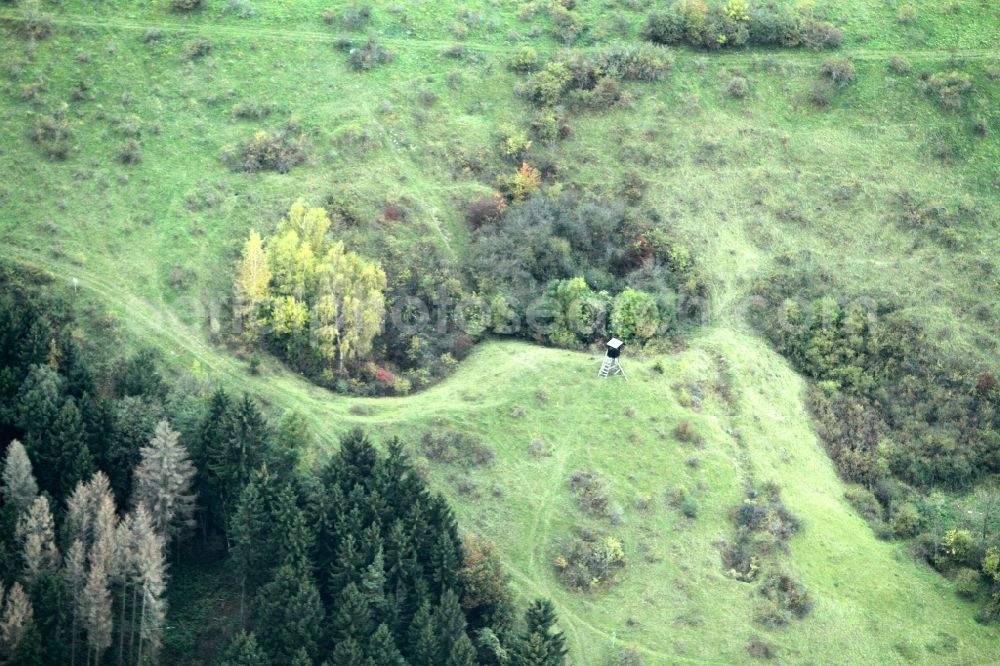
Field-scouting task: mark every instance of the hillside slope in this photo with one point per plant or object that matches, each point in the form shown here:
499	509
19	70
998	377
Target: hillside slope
745	183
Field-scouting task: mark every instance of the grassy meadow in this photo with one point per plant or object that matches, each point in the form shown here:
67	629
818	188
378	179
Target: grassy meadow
745	182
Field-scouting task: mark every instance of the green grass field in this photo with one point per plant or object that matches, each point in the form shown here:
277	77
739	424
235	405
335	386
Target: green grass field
744	182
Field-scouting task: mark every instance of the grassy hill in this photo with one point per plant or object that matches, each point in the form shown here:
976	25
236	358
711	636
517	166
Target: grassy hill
744	180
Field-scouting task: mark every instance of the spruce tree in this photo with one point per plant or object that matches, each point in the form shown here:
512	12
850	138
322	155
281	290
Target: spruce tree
422	641
36	532
15	618
289	615
461	653
382	648
244	650
38	401
163	483
96	610
533	650
76	579
540	619
347	653
19	486
51	603
351	617
151	563
66	460
232	457
346	567
450	624
372	585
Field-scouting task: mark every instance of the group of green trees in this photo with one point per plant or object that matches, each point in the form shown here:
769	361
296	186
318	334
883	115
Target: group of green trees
353	562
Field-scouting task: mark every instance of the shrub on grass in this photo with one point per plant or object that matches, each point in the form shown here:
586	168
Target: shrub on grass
524	59
947	88
52	134
665	26
634	62
590	562
451	446
369	56
899	65
357	16
905	520
686	432
759	648
818	35
840	71
152	35
35	25
129	153
197	48
967	582
785	600
185	5
822	92
738	87
267	151
591	492
252	110
865	503
484	210
242	8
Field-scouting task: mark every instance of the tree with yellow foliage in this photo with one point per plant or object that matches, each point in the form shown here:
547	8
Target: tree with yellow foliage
253	278
310	283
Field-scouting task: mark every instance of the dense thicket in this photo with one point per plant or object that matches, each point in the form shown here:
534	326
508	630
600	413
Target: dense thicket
889	401
899	416
558	269
737	23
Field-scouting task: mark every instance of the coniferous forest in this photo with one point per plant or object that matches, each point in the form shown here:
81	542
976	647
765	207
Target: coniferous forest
354	562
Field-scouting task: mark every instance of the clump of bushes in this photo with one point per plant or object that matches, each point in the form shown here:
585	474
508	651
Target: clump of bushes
682	500
198	48
369	56
34	24
485	209
268	151
785	600
525	59
686	432
947	88
763	527
357	16
591	492
591	80
451	446
185	5
52	134
738	23
548	263
129	153
738	87
941	220
840	71
887	401
590	562
252	110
